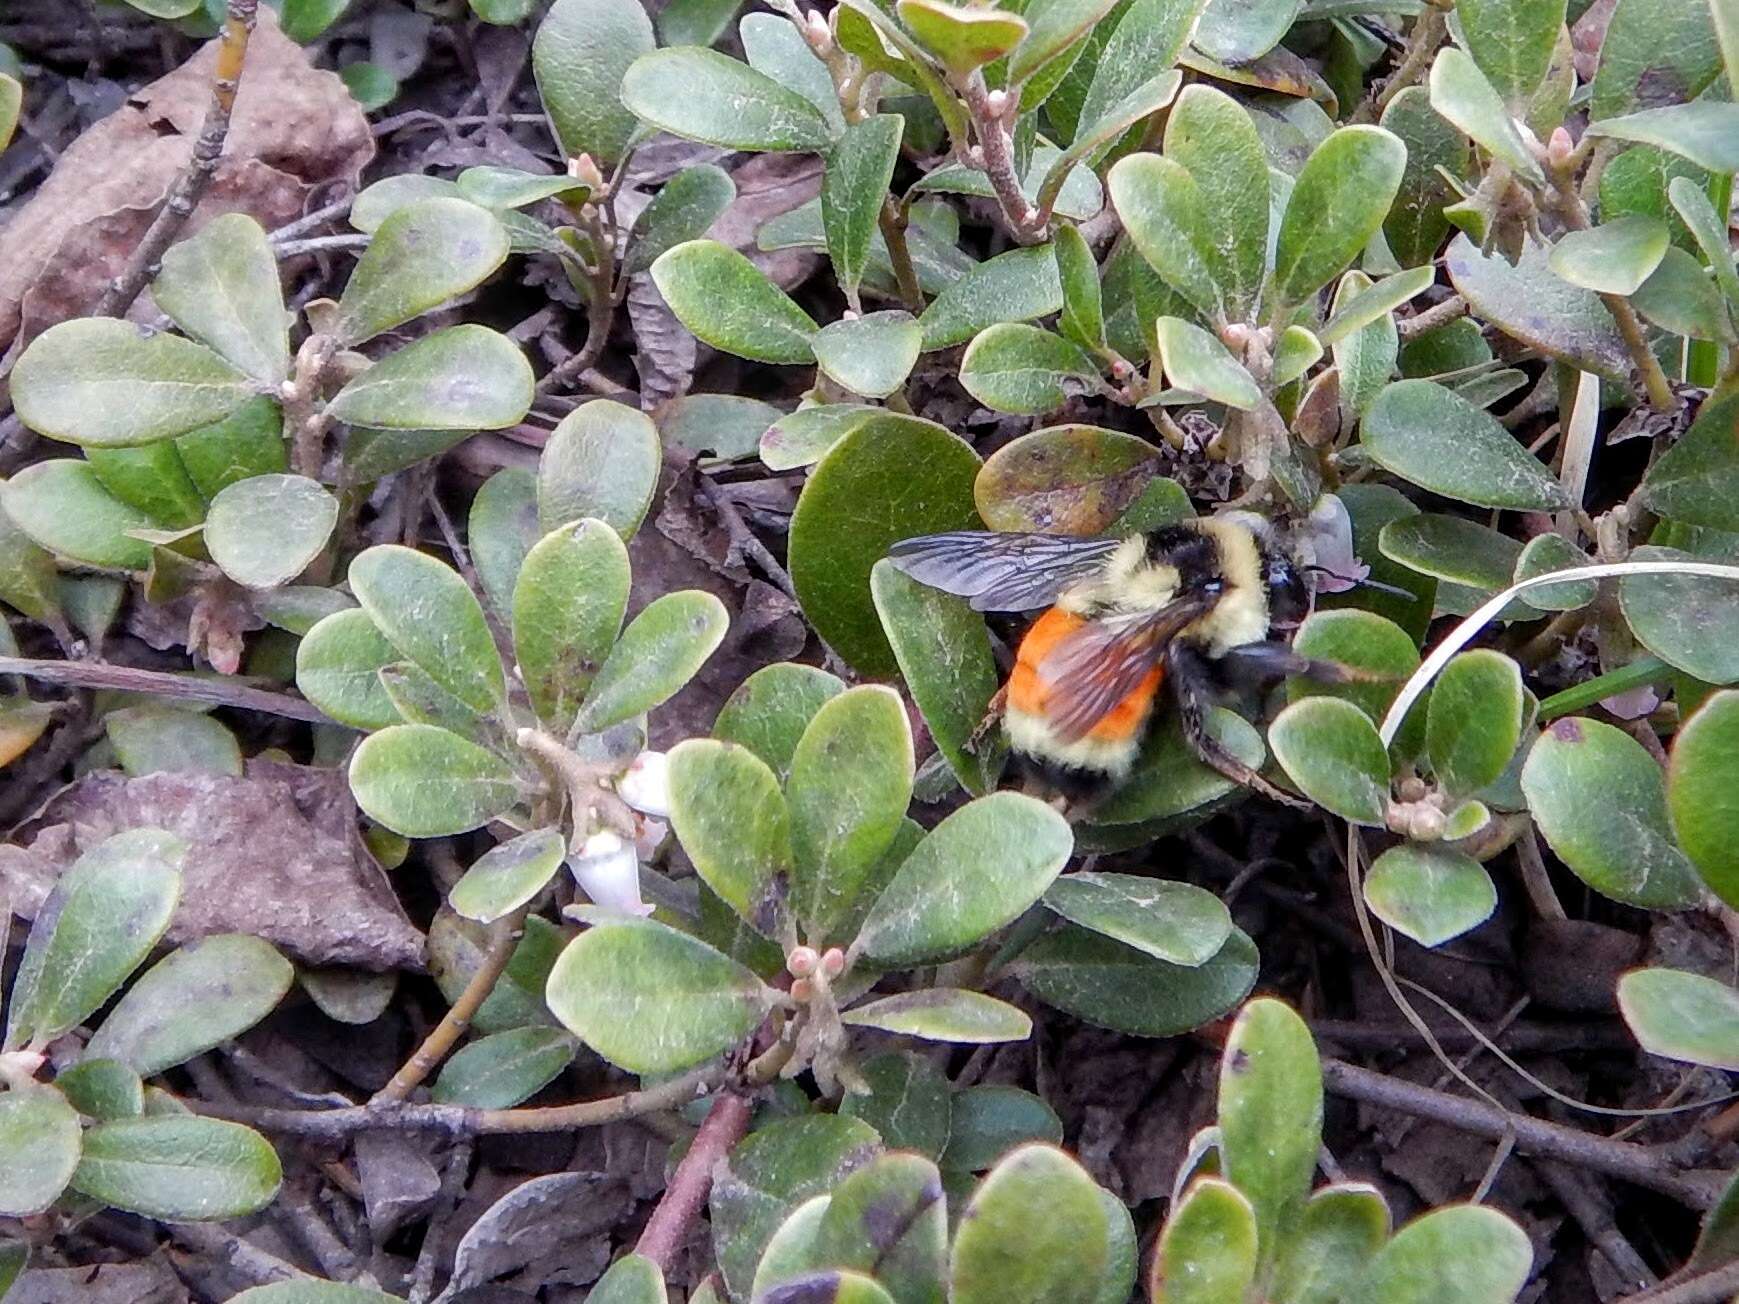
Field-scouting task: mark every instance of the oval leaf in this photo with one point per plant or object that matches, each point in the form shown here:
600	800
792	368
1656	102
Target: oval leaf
431	616
178	1168
422	256
1176	922
1431	436
39	1149
944	1014
507	876
731	304
265	530
220	285
504	1069
1430	894
710	97
424	782
1474	720
462	378
582	50
1331	750
601	461
1339	202
1682	1016
1005	1254
658	653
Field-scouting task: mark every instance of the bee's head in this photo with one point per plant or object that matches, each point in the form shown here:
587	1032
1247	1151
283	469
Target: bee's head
1288	593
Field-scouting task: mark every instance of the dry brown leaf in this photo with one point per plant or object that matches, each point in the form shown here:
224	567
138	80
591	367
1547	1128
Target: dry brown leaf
295	128
275	854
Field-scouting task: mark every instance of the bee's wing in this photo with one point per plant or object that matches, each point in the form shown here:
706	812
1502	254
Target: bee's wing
999	571
1093	668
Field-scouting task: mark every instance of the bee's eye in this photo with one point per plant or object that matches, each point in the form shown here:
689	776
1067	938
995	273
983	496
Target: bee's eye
1213	587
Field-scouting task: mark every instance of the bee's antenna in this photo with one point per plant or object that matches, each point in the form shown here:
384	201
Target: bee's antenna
1366	583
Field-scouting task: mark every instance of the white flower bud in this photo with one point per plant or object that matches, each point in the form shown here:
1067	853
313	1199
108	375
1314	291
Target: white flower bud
646	784
1328	535
608	872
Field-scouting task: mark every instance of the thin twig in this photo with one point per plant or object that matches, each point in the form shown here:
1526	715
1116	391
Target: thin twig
453	1174
196	178
243	1258
1634	1163
1584	1196
318	244
504	935
745	538
724	1126
1709	1288
1438	314
224	692
995	157
311	221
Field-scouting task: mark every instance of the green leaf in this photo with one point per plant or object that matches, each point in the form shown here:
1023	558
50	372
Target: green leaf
1474	720
220	285
1196	361
732	820
944	654
650	999
508	875
850	784
1512	42
775	47
905	1099
1691	202
1114	986
1009	1252
891	1217
379	201
1209	134
502	1070
163	740
1241	31
658	653
582	50
772	707
461	378
150	477
1430	894
1271	1119
178	1168
1695	481
870	355
28	579
1343	1228
509	188
767	1175
1492	1256
1542	555
803	437
1600	800
725	425
1615	257
369	84
1064	479
1339	202
962	38
1455	550
1543	311
1170	781
854	188
1015	286
979	869
684	209
101	920
1296	353
422	256
1083	314
1415	226
102	1089
424	782
1331	750
310	1292
567	611
943	1014
102	383
1703	795
1012	367
265	530
1706	132
1166	216
731	304
1372	302
707	96
338	667
1682	1016
892	477
1207	1250
991	1120
1149	37
1679	297
1689	621
1461	94
197	997
431	616
61	505
501	530
632	1279
601	461
1431	436
456	951
39	1149
248	442
1175	922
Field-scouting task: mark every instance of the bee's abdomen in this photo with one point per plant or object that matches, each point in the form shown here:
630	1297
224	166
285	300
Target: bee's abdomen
1109	747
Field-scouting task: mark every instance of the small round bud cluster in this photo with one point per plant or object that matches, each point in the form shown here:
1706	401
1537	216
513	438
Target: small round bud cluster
1418	811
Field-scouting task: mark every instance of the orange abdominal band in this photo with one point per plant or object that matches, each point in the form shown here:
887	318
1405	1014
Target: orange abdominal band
1028	692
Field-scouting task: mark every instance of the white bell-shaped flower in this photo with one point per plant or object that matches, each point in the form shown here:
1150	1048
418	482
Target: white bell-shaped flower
608	871
645	785
1327	536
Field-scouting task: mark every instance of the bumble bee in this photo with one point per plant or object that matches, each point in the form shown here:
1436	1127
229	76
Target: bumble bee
1191	607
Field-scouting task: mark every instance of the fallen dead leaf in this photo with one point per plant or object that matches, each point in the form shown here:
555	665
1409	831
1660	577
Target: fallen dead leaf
559	1223
275	854
295	129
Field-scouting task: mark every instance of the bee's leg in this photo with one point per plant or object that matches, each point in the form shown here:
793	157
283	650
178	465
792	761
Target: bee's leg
1193	683
1260	664
992	718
